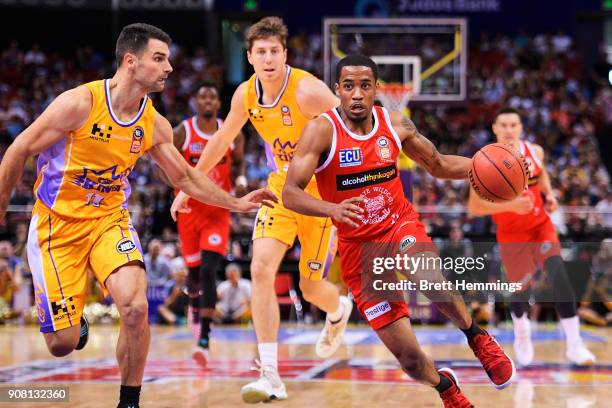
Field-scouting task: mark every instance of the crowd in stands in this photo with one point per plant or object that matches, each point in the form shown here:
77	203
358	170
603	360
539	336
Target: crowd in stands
566	108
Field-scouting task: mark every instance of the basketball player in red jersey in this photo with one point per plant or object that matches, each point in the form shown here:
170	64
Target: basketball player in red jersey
353	150
204	231
528	241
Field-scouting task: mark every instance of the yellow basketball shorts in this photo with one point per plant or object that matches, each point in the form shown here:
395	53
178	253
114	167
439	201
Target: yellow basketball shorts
61	250
317	235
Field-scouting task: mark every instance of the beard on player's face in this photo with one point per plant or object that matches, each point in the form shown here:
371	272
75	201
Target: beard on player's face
152	66
150	78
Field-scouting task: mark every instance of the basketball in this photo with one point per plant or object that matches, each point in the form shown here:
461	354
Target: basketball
498	173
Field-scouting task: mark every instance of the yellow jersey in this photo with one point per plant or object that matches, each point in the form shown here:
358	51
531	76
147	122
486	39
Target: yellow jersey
85	174
280	123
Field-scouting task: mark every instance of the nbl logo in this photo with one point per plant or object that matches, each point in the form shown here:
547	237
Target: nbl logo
125	246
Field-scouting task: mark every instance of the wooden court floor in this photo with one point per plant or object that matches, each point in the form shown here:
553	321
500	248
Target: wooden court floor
361	374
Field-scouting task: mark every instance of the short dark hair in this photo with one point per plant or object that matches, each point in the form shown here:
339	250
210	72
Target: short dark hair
208	84
504	111
356	60
135	37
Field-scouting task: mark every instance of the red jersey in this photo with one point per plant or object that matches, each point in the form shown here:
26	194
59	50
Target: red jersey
513	222
365	166
195	141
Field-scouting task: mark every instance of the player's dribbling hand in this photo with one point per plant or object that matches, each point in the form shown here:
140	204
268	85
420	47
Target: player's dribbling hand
523	204
255	199
550	203
179	205
348	211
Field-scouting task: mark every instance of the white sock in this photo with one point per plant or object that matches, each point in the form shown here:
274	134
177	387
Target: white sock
522	325
571	328
337	315
268	354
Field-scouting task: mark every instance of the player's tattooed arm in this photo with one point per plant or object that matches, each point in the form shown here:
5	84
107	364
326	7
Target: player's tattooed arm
422	150
312	150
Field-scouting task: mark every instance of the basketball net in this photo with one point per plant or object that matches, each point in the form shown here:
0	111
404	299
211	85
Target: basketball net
395	96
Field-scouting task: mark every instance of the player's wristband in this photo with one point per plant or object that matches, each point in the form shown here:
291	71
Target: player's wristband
241	181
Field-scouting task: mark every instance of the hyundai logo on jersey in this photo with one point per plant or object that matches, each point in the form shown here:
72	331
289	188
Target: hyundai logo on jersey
350	157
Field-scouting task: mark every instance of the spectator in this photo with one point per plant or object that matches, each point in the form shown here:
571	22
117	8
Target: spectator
599	287
157	265
234	296
457	246
6	291
174	308
604	208
7	254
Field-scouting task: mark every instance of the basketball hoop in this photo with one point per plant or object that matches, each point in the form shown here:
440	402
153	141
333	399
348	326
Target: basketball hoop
395	96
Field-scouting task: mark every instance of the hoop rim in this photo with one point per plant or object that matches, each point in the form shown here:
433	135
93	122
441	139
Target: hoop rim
395	86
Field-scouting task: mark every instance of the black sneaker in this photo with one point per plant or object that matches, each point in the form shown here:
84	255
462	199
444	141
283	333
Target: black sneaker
84	333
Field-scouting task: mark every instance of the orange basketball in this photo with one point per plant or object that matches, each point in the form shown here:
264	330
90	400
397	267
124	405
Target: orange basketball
498	173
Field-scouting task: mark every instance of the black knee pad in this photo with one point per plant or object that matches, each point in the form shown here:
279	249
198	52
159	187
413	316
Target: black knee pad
193	281
564	296
208	279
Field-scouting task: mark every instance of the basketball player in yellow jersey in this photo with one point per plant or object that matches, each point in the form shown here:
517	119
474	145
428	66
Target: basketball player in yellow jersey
88	141
279	100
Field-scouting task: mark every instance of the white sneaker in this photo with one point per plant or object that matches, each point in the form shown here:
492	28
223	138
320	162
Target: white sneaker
267	388
523	350
579	354
331	336
200	355
523	347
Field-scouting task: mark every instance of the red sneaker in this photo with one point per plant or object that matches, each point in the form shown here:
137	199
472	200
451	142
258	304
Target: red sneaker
453	397
498	366
200	355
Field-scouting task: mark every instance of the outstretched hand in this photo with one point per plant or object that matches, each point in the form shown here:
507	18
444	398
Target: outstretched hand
255	199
